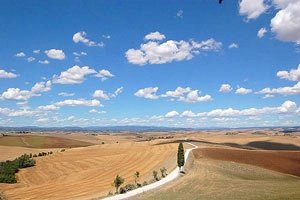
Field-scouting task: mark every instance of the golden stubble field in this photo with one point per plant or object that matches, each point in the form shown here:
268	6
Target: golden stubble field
88	172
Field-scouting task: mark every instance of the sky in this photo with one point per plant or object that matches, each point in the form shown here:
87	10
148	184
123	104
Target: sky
152	63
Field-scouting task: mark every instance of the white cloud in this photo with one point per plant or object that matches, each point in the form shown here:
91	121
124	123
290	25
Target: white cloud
155	52
188	113
233	46
172	114
242	90
44	62
101	94
261	32
267	96
65	94
289	90
155	36
48	108
36	51
79	102
97	111
288	107
16	94
41	87
292	75
118	91
252	9
82	53
20	54
225	88
5	74
24	95
104	74
30	59
286	23
179	13
81	37
74	75
55	54
106	36
187	95
148	93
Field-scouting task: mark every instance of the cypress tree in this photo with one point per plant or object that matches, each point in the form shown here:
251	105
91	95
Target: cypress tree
180	155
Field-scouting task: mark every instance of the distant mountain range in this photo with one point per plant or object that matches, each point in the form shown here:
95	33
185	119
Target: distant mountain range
131	128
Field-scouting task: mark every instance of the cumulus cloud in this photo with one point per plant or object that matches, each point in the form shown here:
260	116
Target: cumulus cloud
101	95
82	37
179	13
36	51
188	113
48	108
252	9
225	88
233	46
74	75
24	95
41	87
55	54
155	36
44	62
79	102
286	23
172	114
292	75
16	94
104	74
242	90
148	93
30	59
5	74
157	52
66	94
288	107
288	90
261	32
20	54
187	95
180	94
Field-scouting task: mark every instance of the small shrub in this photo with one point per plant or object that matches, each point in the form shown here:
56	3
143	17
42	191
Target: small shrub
122	190
34	155
139	185
40	154
163	172
155	175
109	194
145	183
103	142
62	150
129	187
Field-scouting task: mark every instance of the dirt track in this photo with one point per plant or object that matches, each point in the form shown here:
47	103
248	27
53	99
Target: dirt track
281	161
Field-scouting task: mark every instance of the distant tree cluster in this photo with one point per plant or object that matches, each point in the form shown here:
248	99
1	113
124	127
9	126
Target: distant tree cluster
41	154
9	169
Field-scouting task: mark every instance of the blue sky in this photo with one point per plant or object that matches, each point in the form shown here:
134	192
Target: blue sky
170	63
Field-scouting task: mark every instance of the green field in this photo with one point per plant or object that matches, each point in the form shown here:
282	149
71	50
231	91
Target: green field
36	141
211	180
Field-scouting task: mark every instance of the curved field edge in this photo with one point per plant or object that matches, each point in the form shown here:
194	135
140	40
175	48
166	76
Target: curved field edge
219	179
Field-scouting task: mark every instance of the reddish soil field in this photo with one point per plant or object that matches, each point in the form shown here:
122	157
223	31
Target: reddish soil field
282	161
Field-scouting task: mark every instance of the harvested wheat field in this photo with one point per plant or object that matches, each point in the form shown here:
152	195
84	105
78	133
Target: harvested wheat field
88	172
282	161
210	179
